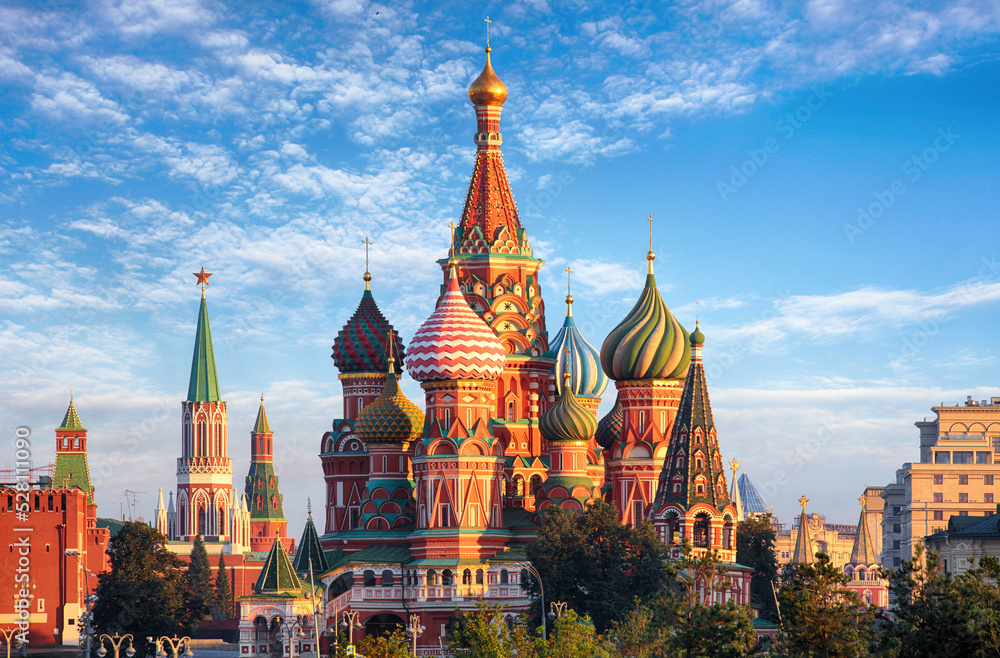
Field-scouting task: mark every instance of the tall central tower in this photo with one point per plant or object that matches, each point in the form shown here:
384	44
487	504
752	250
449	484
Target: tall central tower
498	275
204	470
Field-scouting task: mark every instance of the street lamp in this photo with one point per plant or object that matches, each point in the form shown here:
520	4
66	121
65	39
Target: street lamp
88	600
175	645
530	568
116	643
556	609
351	621
7	634
294	631
414	629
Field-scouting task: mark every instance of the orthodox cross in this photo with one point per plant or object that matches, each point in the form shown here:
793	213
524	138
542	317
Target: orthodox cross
650	220
697	311
367	244
488	21
569	273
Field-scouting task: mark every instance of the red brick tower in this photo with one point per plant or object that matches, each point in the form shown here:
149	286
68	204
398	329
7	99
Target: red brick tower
267	514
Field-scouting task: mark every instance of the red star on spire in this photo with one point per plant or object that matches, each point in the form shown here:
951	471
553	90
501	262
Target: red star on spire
202	278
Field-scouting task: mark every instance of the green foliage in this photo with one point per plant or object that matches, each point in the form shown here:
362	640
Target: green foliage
755	549
222	598
572	636
483	633
200	592
394	645
820	617
144	592
594	563
937	614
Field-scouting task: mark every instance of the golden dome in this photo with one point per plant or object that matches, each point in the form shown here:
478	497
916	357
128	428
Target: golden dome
488	88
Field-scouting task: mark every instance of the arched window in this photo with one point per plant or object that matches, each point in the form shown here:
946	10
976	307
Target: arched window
479	576
702	534
202	521
467	577
642	422
536	484
369	578
447	578
511	412
504	577
387	579
432	577
524	578
518	485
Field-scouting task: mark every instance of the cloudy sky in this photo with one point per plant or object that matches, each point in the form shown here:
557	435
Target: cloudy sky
822	175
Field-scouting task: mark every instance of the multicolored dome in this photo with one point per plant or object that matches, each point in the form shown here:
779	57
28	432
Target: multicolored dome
454	342
390	418
609	429
488	88
583	361
567	420
361	344
649	343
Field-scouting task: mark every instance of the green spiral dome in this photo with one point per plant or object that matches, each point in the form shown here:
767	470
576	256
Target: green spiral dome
649	343
567	420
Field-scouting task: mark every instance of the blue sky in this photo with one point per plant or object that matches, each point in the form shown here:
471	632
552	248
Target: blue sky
264	141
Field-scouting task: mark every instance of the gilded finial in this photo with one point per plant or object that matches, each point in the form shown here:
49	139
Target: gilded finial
368	276
262	397
566	371
803	501
392	358
309	507
734	464
650	256
488	21
864	502
697	312
202	279
71	396
569	294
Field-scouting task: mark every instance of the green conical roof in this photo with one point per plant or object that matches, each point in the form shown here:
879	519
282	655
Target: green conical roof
261	424
277	576
71	420
310	551
204	385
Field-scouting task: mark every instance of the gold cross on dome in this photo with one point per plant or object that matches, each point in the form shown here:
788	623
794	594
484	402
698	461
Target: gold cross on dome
650	220
367	244
488	21
697	311
803	501
569	281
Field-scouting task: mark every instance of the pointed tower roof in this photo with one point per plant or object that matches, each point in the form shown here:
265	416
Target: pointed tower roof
693	458
734	494
310	551
71	421
489	203
864	548
750	497
277	576
649	343
204	383
261	425
576	356
803	553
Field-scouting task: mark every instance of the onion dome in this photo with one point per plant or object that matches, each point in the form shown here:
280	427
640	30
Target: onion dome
488	88
454	342
697	338
609	429
567	420
649	343
578	357
361	344
390	418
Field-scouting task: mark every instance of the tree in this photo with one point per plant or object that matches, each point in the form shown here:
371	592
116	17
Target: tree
199	581
484	633
937	614
594	563
393	645
820	617
222	599
755	549
143	593
574	636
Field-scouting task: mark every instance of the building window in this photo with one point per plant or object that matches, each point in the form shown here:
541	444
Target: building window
963	479
445	516
479	576
447	578
369	578
961	458
939	497
964	512
642	422
982	458
939	515
897	528
963	497
504	577
938	479
895	544
987	479
942	457
387	578
432	577
988	498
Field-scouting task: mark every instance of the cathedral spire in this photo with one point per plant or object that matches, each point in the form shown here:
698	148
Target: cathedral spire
204	383
864	549
803	542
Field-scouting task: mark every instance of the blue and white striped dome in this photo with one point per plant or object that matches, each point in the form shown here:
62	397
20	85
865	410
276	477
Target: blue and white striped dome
587	378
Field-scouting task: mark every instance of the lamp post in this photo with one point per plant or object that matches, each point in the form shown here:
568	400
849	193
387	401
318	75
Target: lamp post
413	629
88	600
294	631
116	643
175	645
351	621
7	634
556	609
530	568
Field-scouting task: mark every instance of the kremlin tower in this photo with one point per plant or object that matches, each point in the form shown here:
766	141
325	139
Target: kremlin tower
267	516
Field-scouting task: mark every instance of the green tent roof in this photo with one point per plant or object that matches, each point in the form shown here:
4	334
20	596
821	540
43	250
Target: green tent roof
204	384
71	421
277	576
310	552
